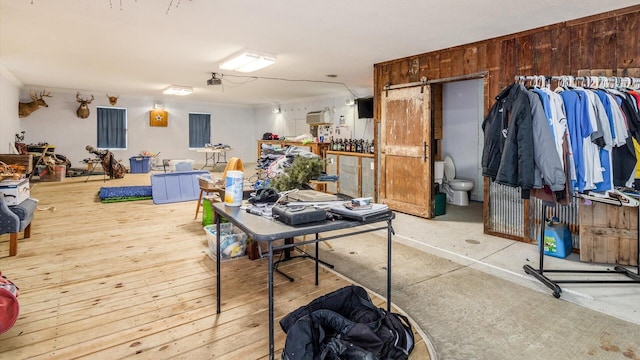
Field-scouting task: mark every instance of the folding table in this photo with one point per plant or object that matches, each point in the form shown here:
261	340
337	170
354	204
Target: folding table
267	230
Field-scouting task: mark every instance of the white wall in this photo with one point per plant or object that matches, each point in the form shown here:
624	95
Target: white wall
10	123
461	130
291	121
58	125
237	126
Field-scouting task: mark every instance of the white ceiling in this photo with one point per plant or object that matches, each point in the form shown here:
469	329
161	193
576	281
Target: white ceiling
138	48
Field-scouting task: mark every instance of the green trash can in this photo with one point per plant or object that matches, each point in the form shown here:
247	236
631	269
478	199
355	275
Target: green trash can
207	212
441	204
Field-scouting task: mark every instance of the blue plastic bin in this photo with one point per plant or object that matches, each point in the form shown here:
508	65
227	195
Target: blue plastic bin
139	164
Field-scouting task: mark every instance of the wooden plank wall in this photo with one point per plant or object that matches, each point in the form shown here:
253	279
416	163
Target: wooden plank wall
607	43
604	44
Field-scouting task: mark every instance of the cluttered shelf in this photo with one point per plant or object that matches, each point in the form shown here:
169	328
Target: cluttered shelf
367	155
316	148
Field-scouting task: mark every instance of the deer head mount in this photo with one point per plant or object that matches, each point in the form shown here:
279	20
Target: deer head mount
25	109
113	100
83	109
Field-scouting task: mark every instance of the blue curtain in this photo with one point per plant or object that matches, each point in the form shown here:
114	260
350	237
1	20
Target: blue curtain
112	128
199	130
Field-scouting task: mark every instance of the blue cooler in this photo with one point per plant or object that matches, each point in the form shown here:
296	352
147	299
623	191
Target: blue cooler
557	239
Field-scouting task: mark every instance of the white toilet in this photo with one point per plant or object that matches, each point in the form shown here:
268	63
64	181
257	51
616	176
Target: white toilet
457	190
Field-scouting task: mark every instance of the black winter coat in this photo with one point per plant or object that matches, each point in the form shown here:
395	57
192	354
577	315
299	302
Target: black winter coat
493	141
509	135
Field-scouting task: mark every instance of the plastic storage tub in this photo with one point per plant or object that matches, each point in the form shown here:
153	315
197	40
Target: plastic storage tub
47	175
233	242
181	165
139	164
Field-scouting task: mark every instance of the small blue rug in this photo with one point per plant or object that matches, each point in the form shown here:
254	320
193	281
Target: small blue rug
124	193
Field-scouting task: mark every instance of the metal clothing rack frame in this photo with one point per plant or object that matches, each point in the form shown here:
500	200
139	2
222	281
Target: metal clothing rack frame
539	274
588	81
553	284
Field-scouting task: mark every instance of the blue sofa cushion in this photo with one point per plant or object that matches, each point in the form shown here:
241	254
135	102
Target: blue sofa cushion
25	209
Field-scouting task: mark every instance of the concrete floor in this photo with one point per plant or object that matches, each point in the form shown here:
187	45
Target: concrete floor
468	292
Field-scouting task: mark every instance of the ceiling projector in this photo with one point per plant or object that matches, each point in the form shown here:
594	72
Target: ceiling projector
215	79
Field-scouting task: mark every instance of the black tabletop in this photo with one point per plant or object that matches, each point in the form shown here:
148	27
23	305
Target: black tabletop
267	229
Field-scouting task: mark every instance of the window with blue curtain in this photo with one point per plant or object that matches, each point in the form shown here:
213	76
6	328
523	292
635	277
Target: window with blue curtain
199	130
112	128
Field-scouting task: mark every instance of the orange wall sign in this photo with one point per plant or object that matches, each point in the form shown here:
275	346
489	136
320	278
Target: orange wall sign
158	117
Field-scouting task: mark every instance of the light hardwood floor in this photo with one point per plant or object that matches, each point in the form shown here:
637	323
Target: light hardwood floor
131	279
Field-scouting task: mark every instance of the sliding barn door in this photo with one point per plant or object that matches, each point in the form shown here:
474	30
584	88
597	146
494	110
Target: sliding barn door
405	161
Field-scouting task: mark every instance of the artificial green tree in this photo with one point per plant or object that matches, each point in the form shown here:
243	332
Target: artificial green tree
298	175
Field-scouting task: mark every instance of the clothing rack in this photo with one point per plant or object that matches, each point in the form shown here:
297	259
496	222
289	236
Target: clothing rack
586	82
539	274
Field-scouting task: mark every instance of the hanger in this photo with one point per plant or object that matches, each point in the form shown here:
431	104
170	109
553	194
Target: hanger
543	81
613	82
604	82
561	83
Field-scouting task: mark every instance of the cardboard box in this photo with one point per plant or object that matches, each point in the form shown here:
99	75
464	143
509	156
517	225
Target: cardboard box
15	191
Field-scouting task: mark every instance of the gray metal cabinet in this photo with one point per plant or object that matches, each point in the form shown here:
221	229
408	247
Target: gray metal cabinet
349	175
355	173
331	168
367	175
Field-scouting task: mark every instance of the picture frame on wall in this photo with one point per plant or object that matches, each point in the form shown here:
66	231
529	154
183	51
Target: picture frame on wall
158	117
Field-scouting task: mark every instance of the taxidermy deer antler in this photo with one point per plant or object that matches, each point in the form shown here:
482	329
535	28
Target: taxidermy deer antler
25	109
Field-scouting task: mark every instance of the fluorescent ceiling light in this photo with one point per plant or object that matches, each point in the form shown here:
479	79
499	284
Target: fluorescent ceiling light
178	90
248	61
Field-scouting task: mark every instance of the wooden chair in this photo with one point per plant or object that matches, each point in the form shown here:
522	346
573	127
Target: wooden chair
208	186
